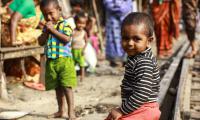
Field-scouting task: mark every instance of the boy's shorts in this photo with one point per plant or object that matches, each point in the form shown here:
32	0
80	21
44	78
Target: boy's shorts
60	72
78	57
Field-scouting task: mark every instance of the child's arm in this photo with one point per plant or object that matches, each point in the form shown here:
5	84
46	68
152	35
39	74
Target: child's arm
86	41
143	75
62	37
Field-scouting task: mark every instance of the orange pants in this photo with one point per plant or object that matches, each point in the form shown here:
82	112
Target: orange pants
148	111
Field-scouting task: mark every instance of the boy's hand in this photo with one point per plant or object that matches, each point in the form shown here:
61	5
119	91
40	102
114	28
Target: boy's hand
49	26
115	114
43	38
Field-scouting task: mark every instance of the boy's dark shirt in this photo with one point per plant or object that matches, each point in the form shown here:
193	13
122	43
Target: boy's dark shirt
141	81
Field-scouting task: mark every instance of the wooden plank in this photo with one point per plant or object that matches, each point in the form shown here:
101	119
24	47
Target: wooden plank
195	88
167	78
185	110
196	79
195	115
195	98
183	77
22	53
11	49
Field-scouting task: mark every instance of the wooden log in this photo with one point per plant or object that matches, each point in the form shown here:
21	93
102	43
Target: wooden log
167	78
179	97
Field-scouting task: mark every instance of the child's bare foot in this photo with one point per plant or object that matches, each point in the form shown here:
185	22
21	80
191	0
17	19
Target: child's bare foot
56	115
72	116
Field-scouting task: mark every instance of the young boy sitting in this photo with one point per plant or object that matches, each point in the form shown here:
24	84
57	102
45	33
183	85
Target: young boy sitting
60	72
140	85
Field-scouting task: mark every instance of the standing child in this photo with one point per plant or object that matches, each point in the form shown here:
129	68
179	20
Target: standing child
60	72
91	29
79	42
140	85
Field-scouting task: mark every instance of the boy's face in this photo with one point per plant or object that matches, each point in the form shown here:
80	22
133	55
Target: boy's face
134	39
81	23
51	13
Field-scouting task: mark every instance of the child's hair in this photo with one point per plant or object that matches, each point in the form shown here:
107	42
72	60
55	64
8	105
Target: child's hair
77	2
137	18
80	14
45	3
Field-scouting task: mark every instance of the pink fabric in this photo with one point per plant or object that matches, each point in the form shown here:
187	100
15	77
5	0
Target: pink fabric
148	111
95	43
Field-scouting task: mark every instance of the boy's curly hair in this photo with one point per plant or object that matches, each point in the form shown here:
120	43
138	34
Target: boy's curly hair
44	3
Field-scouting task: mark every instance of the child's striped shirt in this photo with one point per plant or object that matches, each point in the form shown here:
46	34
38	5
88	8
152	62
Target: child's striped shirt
141	81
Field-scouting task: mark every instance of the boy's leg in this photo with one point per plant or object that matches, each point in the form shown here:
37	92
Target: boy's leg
82	74
60	101
70	102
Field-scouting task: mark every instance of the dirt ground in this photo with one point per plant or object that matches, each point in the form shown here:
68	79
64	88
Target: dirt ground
93	98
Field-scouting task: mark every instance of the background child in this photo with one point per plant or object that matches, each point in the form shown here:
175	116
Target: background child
140	86
91	29
77	6
60	72
79	42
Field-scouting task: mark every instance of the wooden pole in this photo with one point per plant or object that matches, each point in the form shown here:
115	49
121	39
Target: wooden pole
3	88
0	25
100	35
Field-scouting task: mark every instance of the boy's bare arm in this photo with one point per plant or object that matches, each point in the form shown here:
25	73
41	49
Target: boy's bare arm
64	38
43	38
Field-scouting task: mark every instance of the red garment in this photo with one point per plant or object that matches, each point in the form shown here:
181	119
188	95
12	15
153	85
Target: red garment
148	111
166	17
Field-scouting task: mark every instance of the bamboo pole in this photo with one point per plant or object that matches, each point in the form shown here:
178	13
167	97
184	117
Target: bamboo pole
100	35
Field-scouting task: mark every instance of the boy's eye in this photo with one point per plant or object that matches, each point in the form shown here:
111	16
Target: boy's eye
136	39
125	38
